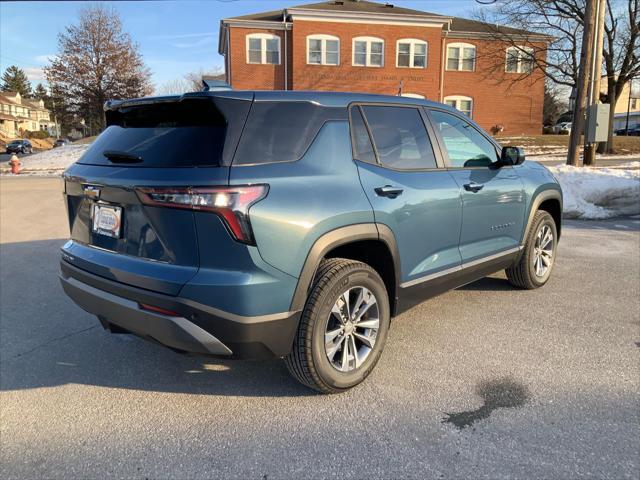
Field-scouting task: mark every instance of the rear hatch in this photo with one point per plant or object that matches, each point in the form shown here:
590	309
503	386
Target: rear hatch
168	144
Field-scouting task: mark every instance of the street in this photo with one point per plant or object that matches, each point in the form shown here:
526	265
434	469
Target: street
483	382
5	157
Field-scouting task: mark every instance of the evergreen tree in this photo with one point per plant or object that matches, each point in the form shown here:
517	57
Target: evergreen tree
15	80
40	92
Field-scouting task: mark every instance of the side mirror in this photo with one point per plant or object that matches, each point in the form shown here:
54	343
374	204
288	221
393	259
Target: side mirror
512	156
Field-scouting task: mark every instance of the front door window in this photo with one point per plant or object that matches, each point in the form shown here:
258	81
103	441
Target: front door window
465	145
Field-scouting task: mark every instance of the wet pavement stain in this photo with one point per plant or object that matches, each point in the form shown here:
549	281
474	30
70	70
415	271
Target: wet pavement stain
497	393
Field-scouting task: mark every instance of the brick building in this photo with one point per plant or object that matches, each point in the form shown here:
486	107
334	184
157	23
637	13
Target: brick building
483	70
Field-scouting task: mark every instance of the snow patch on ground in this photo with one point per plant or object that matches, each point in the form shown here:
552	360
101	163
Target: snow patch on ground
562	157
597	193
51	160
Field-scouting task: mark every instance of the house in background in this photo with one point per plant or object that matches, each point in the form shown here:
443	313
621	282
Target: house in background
19	115
486	71
78	129
628	105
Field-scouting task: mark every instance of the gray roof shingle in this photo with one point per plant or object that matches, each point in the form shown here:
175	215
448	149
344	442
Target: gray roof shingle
461	25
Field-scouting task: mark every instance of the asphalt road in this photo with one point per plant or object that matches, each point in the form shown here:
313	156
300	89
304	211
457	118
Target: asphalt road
5	157
482	382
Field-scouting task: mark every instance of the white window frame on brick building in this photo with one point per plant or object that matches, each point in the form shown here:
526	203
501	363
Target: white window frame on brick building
329	51
455	101
519	59
463	49
410	53
369	54
264	39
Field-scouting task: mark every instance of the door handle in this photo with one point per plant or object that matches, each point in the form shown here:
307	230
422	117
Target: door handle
473	187
388	191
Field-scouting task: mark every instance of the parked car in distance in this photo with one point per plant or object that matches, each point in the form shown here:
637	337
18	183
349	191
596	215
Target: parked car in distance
19	146
632	131
563	128
61	142
298	224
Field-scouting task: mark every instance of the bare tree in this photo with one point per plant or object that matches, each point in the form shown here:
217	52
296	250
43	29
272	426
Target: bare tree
97	61
554	106
191	82
563	22
176	86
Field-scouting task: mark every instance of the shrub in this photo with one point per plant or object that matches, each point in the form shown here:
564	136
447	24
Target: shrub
38	134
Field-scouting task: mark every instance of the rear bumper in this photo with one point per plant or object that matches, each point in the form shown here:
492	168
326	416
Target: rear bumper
198	328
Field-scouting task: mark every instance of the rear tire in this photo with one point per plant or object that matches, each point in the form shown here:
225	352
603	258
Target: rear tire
343	328
538	258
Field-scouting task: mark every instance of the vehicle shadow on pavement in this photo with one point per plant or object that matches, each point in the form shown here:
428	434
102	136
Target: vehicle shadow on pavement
493	284
46	341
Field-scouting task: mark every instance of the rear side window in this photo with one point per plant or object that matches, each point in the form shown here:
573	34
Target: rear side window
400	137
187	133
282	131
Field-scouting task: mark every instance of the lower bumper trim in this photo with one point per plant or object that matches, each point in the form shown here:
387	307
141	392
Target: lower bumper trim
174	332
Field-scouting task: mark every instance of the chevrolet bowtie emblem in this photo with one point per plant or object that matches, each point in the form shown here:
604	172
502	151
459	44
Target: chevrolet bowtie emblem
91	191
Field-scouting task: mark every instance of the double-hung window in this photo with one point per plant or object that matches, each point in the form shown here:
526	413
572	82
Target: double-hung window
323	50
461	103
411	53
368	52
263	48
461	56
519	60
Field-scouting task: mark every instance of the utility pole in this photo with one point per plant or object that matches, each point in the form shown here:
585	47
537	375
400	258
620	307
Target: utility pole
626	128
577	125
596	76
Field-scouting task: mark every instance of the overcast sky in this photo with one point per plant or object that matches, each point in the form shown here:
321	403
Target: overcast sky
175	37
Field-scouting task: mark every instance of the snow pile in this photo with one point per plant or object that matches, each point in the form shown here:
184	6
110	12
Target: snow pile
596	193
56	159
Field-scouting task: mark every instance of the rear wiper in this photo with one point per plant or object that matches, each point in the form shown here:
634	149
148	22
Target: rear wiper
121	157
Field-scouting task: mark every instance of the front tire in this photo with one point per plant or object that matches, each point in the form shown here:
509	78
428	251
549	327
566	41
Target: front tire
343	328
538	258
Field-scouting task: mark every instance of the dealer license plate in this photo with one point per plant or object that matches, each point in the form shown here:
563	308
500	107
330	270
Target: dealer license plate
107	220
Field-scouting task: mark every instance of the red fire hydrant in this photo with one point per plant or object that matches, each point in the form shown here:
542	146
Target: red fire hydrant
15	164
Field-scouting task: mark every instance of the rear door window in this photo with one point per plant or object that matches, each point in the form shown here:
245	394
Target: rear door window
400	137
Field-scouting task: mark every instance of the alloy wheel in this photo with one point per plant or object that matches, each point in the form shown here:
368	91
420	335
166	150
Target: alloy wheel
352	329
543	251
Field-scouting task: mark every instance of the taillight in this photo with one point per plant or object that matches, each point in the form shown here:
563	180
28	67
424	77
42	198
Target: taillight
230	203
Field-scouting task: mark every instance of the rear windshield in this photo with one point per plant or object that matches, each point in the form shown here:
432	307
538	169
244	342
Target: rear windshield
187	133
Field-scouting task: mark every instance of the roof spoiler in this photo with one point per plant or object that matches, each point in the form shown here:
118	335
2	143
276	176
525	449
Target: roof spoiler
214	85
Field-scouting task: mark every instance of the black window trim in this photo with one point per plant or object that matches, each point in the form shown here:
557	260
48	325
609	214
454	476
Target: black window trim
443	148
431	135
352	130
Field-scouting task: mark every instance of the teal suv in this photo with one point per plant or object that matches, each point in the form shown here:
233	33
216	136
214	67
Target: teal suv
246	224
